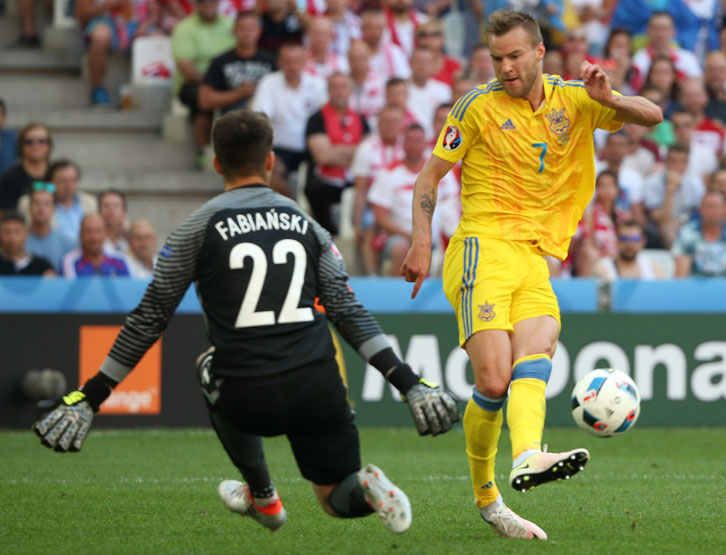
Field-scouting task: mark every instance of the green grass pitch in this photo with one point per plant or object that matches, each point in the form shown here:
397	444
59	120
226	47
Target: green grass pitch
650	491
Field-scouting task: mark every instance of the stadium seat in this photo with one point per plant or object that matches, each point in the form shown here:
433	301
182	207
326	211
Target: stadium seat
661	259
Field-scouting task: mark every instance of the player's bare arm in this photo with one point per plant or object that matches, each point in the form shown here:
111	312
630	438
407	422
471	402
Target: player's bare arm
417	262
629	109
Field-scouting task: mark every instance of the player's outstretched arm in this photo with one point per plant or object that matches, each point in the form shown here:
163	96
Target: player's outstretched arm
65	428
416	265
629	109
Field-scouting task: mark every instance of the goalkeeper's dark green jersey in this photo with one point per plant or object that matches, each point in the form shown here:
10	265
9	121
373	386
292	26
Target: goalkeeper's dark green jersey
258	263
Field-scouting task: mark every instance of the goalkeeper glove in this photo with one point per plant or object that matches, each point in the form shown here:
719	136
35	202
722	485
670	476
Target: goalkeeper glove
66	427
433	409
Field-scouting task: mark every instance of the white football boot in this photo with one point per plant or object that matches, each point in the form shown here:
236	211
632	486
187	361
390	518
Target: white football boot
386	499
540	468
509	524
237	498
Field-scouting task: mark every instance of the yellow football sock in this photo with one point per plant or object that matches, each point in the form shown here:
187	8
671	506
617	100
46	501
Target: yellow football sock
526	408
481	428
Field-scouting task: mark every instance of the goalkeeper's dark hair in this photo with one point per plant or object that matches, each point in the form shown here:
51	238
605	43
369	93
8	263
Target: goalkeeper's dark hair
503	21
242	139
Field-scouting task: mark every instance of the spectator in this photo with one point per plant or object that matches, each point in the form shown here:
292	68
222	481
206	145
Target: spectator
575	51
15	260
463	83
34	145
397	95
112	209
196	41
630	182
43	240
706	132
141	255
320	59
430	35
661	33
159	17
289	97
592	15
387	59
70	203
662	133
480	64
662	76
619	49
332	135
232	78
91	259
379	151
425	93
700	248
643	154
28	27
107	27
701	159
553	63
629	263
672	195
8	142
369	89
391	195
596	236
717	181
280	24
715	78
401	23
346	25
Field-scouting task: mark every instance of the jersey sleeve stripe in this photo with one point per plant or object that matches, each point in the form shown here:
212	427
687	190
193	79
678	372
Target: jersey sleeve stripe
461	101
463	111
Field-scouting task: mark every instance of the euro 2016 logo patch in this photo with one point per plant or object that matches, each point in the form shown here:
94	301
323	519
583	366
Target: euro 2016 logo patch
452	138
486	312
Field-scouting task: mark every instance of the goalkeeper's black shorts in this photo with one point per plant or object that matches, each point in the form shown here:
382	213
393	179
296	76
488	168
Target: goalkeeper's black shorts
308	405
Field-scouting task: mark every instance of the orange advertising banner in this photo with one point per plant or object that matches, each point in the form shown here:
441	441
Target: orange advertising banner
140	392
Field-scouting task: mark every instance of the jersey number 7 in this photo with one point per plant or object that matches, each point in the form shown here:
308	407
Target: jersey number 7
543	146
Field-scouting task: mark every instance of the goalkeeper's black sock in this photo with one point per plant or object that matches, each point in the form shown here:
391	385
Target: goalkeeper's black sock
348	498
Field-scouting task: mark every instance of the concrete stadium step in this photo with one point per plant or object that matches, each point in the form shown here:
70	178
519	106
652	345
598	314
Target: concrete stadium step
164	197
9	31
34	61
113	152
43	91
90	121
160	183
165	213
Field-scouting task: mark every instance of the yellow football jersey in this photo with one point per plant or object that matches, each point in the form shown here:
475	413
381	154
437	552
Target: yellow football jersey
526	176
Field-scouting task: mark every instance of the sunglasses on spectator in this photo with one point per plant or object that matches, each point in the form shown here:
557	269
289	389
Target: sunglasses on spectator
424	34
36	141
630	237
43	186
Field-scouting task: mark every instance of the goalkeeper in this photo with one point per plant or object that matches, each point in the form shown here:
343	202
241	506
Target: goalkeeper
258	263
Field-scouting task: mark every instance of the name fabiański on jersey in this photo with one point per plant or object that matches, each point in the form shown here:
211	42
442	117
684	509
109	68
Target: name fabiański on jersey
261	221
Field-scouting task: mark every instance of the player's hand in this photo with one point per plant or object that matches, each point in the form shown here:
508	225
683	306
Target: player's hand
67	426
597	82
433	409
415	266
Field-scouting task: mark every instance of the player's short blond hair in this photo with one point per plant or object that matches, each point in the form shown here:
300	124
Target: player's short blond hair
503	21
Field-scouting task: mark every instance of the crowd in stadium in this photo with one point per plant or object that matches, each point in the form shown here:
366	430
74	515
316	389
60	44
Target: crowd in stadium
357	92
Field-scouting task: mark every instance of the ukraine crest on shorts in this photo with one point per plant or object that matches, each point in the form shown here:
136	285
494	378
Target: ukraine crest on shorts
559	124
486	312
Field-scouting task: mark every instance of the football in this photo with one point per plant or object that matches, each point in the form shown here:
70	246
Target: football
605	402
